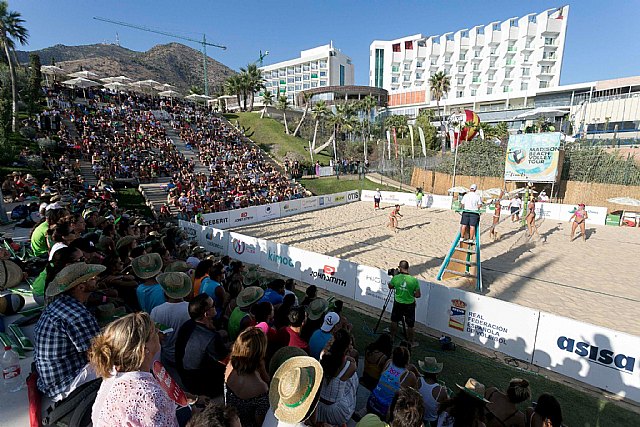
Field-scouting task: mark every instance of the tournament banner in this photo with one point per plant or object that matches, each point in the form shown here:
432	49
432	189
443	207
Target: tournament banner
214	240
240	217
353	196
544	211
372	287
602	357
325	201
340	198
290	207
596	214
244	248
332	274
532	157
277	258
424	147
309	204
489	322
216	219
422	303
191	229
435	201
268	212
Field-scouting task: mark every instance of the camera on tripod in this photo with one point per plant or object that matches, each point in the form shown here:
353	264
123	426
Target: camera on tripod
393	271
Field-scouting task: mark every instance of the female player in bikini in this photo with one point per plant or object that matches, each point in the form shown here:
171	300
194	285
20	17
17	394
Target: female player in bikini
531	218
580	216
393	218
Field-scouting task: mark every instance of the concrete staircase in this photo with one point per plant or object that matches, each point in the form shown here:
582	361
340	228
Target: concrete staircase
85	165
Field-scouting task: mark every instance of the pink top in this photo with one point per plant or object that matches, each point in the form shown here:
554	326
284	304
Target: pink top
133	399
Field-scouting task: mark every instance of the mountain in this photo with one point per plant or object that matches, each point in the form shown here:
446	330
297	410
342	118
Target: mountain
172	63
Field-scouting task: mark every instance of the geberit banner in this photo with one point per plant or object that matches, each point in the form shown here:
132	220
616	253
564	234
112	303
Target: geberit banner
532	157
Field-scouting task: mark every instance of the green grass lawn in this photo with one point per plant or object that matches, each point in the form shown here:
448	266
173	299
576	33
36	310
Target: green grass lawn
578	408
130	199
330	185
269	135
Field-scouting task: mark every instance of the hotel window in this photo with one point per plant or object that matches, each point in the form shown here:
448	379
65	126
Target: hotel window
314	65
396	47
447	59
507	74
480	30
450	37
496	27
462	56
464	34
289	71
298	78
461	68
406	79
526	71
513	23
305	77
459	94
544	84
314	84
476	53
546	69
341	81
460	80
305	86
419	64
394	80
527	44
323	64
422	43
298	87
489	90
524	86
476	67
298	69
305	67
274	73
474	92
506	89
491	76
323	82
408	45
526	58
532	19
549	41
406	67
290	80
493	51
323	74
282	72
418	76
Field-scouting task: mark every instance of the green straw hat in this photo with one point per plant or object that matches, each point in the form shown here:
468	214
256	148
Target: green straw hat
146	266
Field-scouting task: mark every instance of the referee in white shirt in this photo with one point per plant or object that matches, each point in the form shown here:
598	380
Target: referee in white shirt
472	202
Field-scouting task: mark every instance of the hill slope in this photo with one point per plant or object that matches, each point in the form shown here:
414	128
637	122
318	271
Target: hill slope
172	63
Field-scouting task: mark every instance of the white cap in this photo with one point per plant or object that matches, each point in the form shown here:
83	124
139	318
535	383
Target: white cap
473	187
192	262
331	319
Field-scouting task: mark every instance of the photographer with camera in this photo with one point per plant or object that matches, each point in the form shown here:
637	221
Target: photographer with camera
407	289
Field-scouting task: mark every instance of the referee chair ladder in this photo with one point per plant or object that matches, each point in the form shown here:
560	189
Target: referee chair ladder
460	262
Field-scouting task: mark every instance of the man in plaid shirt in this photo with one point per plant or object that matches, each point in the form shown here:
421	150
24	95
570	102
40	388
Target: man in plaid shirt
65	330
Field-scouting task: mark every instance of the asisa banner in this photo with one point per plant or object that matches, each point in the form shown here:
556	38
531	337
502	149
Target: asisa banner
532	157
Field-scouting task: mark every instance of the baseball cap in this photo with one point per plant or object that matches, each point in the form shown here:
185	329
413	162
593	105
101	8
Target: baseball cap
473	187
331	319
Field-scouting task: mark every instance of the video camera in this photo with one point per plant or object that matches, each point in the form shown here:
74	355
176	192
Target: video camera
393	271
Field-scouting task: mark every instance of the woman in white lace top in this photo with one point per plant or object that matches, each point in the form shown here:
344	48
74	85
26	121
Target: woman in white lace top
129	394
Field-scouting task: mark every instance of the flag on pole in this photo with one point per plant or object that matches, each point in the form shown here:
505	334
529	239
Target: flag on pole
389	144
411	136
424	146
395	141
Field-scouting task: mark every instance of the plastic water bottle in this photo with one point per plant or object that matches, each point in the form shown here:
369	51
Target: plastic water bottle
11	372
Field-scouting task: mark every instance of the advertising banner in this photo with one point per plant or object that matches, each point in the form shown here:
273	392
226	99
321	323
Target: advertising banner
390	197
244	248
547	211
191	229
326	171
215	240
592	354
290	207
340	198
333	274
532	157
372	287
596	214
276	257
267	212
435	201
309	204
240	217
325	201
489	322
216	219
422	303
353	196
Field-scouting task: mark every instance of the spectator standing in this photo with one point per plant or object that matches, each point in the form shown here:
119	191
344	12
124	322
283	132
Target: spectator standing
241	317
321	337
149	292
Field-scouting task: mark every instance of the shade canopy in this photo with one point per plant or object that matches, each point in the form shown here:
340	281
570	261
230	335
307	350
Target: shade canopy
164	87
458	189
170	94
81	83
628	201
545	112
52	70
116	86
84	74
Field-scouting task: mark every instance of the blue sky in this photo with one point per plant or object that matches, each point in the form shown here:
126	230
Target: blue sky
602	39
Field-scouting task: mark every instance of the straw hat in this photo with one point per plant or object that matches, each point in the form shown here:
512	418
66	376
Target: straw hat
180	266
124	241
474	388
175	284
11	304
10	274
146	266
248	296
73	275
294	387
430	366
199	250
317	308
282	355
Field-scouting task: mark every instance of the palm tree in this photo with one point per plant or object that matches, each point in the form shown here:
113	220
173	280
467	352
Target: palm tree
233	86
283	104
267	101
319	112
11	30
254	81
440	84
306	97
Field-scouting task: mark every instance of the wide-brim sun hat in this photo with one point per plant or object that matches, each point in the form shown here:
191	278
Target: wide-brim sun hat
177	266
317	308
124	241
11	304
430	365
73	275
249	295
474	388
175	284
146	266
282	355
294	387
10	274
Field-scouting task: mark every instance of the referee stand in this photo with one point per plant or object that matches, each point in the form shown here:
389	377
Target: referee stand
460	261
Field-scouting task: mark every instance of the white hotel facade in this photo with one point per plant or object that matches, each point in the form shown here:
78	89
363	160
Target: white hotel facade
321	66
500	65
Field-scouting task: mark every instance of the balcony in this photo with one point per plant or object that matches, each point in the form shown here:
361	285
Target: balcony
510	63
554	26
508	77
512	49
422	52
406	71
419	78
495	38
475	82
395	69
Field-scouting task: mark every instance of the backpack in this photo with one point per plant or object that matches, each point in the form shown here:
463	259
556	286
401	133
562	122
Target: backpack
20	212
75	409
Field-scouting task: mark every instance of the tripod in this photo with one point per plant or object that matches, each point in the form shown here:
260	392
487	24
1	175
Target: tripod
384	308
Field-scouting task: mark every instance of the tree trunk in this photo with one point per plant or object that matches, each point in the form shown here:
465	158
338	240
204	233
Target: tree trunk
286	127
304	115
251	102
3	210
264	110
315	134
14	93
238	99
444	137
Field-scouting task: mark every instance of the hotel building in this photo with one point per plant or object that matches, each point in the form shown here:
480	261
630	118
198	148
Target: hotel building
319	67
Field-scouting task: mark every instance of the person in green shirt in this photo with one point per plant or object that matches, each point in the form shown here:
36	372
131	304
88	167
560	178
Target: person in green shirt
419	196
407	289
39	240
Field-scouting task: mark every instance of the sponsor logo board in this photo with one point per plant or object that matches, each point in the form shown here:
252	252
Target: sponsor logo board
240	217
290	207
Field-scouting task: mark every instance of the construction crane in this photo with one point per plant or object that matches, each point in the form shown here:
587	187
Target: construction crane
262	56
202	42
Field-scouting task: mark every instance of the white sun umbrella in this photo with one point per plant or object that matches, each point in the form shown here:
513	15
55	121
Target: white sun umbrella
520	191
121	79
193	97
81	83
546	112
116	86
84	74
493	192
150	83
170	94
458	189
51	70
164	87
628	201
